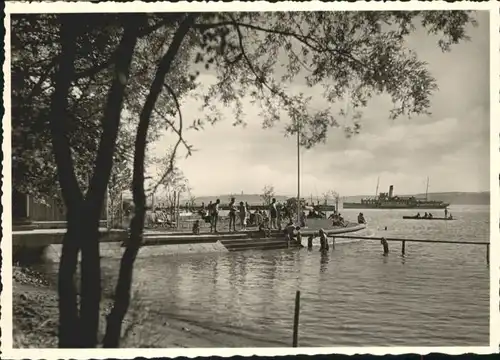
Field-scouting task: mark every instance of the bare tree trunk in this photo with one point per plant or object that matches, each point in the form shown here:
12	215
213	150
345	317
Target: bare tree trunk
90	265
69	328
122	292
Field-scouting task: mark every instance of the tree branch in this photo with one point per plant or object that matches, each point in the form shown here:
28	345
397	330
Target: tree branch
37	89
177	131
258	78
122	292
91	72
304	39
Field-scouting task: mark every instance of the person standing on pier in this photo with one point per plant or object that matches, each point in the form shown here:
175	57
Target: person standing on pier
279	209
215	216
232	214
257	217
445	213
273	214
243	215
202	210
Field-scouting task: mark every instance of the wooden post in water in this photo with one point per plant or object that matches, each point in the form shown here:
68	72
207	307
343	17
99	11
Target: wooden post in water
296	320
488	254
403	245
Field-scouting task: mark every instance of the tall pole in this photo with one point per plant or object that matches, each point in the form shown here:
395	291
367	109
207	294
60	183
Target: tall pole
298	172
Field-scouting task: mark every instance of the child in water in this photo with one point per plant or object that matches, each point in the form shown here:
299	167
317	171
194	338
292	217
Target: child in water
298	236
323	240
196	227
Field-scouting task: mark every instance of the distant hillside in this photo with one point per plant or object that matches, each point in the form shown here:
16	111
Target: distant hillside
454	198
460	198
251	199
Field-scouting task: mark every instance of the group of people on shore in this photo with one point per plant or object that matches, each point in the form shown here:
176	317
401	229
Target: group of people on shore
158	217
265	220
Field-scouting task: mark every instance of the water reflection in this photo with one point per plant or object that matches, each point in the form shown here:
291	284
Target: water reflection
324	259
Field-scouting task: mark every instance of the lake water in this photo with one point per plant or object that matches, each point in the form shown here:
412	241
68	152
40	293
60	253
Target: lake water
437	295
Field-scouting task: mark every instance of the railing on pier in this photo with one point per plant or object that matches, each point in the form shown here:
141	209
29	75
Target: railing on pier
403	242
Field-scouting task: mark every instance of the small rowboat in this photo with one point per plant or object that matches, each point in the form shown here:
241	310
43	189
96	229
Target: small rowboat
427	218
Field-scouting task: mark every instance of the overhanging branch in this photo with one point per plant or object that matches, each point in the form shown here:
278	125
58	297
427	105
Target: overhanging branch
91	72
307	40
258	78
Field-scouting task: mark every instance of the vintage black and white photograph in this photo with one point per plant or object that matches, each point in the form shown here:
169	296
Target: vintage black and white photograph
249	179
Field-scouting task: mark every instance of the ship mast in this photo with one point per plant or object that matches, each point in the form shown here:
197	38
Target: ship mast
427	189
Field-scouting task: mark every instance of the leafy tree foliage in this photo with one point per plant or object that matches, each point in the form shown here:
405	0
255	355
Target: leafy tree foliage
355	54
35	50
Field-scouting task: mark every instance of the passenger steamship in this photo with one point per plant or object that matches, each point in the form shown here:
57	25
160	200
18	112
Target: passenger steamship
389	201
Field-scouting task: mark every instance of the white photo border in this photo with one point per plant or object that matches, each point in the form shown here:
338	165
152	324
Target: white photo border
137	6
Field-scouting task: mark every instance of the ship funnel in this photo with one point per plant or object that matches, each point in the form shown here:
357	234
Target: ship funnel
391	191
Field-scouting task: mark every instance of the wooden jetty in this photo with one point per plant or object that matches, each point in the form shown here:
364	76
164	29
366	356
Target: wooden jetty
404	241
233	241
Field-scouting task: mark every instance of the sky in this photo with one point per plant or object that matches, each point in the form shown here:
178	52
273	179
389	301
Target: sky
451	146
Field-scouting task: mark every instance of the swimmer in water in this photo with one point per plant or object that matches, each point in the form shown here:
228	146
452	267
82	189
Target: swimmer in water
196	227
323	240
385	244
310	241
